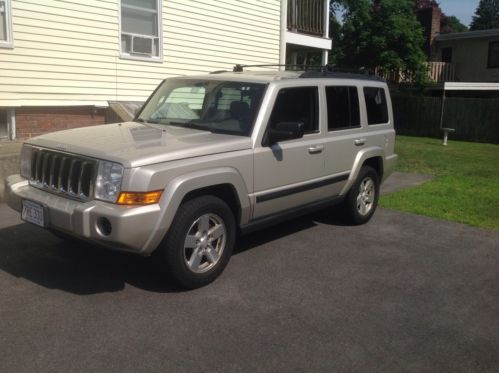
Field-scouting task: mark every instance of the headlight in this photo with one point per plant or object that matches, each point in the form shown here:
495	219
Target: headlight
26	153
108	182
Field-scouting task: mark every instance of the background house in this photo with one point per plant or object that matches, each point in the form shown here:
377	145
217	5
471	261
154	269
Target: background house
465	66
474	54
471	56
65	63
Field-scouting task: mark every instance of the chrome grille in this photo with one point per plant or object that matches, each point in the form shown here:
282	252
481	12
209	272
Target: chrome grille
62	173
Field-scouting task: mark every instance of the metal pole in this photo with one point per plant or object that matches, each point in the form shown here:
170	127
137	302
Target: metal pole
11	120
284	29
442	110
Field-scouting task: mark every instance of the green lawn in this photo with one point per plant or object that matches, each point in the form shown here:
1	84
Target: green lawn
466	185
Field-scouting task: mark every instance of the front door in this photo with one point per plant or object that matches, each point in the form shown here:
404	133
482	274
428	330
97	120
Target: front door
287	174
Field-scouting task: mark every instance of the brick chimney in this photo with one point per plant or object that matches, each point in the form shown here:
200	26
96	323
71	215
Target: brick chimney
430	20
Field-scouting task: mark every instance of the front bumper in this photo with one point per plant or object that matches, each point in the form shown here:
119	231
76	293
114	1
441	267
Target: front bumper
132	228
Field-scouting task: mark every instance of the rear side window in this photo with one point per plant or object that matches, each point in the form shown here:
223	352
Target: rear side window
297	105
342	108
377	109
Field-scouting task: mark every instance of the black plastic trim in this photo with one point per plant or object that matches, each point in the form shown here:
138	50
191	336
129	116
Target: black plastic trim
289	214
301	188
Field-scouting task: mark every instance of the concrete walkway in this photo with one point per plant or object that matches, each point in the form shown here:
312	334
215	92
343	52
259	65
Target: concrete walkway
10	147
403	180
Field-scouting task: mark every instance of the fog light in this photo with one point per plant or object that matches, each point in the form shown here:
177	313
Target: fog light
104	227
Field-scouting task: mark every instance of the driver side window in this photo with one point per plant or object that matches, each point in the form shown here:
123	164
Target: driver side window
298	104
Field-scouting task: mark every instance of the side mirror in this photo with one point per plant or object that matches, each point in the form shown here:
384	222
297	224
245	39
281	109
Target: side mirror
285	131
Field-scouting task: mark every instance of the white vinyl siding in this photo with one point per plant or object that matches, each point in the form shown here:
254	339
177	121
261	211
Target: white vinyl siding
68	52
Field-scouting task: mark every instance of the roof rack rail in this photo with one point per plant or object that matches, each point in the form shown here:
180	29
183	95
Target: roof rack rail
320	71
341	75
240	68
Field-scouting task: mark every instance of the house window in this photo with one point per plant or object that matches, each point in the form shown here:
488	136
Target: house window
376	106
297	104
5	24
493	60
342	108
141	28
447	55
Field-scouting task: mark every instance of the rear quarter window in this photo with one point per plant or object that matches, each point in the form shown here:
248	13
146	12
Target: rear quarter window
376	106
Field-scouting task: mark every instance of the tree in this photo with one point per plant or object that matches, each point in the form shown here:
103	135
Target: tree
423	4
382	34
486	15
451	24
335	35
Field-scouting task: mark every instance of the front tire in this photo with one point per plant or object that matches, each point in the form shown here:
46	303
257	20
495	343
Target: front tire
362	199
199	242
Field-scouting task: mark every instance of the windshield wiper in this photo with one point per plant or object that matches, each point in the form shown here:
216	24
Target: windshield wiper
159	120
176	124
189	125
142	120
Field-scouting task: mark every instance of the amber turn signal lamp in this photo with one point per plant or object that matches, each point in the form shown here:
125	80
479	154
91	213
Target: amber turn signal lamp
139	198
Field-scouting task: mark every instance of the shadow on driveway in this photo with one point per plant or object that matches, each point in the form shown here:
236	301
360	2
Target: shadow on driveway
81	268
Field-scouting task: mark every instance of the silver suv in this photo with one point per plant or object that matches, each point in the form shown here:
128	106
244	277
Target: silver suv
210	157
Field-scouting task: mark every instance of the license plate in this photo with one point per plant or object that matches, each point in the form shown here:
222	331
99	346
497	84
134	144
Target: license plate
33	213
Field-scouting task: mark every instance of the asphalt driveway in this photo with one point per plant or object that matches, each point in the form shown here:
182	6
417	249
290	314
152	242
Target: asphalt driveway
401	294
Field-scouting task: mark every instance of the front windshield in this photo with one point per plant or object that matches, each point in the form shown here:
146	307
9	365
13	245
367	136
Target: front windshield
211	105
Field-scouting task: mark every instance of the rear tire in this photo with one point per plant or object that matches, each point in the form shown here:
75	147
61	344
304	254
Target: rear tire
362	199
199	242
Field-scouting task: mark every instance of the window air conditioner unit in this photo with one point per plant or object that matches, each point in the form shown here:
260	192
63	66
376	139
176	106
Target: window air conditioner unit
142	45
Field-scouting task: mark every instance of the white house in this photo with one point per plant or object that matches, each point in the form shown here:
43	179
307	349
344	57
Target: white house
64	62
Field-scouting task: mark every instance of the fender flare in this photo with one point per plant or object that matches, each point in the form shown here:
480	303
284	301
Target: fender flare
362	156
176	190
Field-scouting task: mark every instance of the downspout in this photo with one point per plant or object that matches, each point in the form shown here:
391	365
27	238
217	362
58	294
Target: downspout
11	120
284	29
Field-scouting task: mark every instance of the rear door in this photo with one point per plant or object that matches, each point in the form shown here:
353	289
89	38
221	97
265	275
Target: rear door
344	130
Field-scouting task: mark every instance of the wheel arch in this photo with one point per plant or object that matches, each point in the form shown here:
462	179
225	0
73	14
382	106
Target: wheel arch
372	157
376	163
224	182
226	192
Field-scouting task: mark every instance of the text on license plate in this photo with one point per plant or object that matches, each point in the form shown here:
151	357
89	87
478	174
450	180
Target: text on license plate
33	213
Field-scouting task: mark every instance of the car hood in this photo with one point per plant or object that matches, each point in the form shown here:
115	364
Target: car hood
135	144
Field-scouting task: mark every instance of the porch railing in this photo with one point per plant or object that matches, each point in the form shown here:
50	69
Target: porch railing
437	72
307	16
441	71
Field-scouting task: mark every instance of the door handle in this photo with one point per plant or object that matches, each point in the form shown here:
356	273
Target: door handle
360	141
316	149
